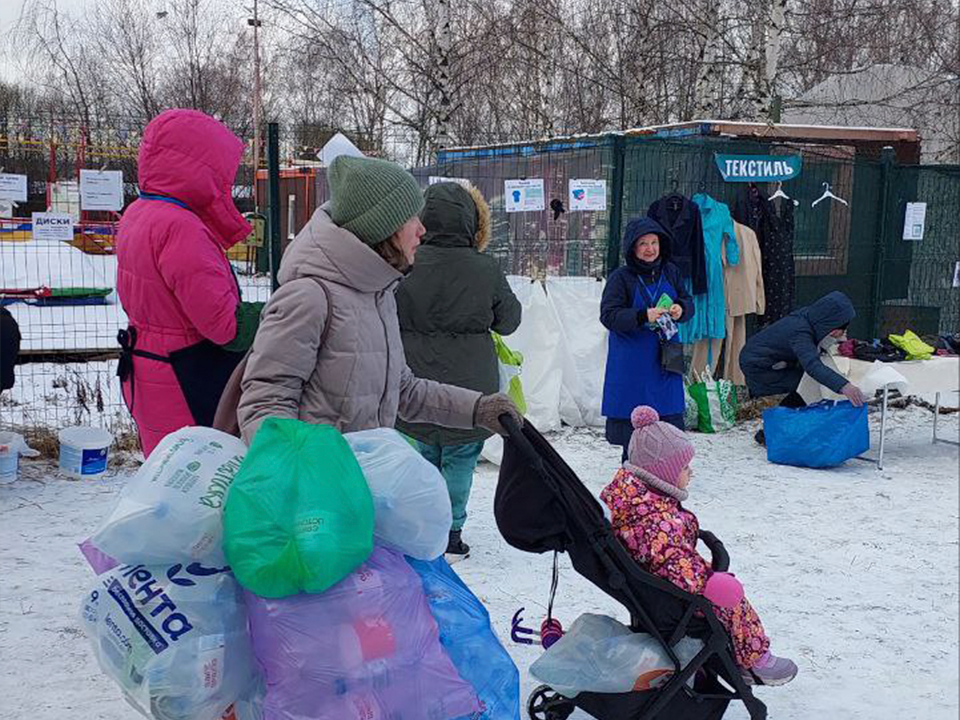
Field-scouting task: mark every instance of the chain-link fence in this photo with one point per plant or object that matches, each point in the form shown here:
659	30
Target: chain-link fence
63	293
558	208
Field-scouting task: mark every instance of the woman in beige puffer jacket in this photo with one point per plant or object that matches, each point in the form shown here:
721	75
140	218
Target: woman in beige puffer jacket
328	348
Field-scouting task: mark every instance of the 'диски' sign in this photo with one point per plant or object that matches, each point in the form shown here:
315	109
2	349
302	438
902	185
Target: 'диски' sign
758	168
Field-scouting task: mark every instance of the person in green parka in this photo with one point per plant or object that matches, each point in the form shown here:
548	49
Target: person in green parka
448	305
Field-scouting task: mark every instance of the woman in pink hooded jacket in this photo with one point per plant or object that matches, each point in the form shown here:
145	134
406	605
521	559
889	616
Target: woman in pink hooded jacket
174	280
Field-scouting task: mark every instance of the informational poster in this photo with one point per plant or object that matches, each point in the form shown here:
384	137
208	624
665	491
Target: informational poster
956	275
434	179
523	195
588	195
53	226
13	188
914	220
101	190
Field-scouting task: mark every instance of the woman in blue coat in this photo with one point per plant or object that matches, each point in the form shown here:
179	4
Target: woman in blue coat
628	309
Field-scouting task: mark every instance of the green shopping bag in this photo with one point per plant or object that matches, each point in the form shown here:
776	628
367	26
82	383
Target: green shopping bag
716	403
510	362
299	515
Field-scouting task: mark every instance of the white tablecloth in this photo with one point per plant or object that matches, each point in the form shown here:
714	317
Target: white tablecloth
910	377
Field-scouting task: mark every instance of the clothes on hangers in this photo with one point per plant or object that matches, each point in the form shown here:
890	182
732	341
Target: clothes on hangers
775	229
743	288
680	217
718	239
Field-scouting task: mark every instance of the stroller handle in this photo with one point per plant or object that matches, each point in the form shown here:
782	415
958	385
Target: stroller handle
516	436
720	557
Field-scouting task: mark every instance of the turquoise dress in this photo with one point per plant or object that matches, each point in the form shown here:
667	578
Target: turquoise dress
708	320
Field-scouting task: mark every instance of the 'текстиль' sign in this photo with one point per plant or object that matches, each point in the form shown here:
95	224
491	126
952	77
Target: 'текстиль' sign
758	168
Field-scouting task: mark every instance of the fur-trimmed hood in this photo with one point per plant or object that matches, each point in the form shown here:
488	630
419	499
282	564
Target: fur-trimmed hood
455	215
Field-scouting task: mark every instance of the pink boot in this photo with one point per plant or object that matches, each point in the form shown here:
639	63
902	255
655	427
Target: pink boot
771	670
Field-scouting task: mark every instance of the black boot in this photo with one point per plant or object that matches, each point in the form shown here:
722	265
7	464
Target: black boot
457	549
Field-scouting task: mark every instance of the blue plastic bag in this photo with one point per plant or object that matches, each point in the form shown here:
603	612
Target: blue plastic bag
817	436
466	635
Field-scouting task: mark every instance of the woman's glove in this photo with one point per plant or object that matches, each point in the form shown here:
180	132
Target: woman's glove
723	590
248	320
489	408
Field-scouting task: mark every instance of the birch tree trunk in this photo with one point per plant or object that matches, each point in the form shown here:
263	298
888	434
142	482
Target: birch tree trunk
443	72
778	14
709	76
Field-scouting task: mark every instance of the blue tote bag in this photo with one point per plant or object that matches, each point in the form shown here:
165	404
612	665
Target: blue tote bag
817	436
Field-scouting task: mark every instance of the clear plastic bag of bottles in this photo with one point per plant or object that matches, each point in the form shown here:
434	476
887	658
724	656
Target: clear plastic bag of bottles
411	503
174	638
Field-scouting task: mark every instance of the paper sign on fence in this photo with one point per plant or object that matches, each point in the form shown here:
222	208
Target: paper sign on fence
13	187
53	226
914	220
101	190
523	195
588	195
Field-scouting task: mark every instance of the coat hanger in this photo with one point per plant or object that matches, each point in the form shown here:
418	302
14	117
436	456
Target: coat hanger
779	193
828	194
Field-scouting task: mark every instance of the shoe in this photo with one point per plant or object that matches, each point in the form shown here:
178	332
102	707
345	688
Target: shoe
760	438
771	670
457	549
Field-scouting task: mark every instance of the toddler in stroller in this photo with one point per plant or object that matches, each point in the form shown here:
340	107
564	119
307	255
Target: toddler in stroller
647	517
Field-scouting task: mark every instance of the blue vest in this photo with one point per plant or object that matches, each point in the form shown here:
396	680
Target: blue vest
634	375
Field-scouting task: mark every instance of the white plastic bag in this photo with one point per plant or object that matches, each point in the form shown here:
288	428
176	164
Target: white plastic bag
410	499
599	654
173	638
170	511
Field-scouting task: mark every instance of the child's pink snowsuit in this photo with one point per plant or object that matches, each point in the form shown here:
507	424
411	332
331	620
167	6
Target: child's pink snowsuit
173	277
662	537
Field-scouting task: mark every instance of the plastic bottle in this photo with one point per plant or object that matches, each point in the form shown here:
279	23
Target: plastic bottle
354	705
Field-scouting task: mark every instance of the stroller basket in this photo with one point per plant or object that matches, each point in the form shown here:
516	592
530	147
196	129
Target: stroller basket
541	506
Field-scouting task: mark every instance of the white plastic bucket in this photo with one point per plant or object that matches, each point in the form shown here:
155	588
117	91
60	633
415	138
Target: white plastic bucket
12	446
83	452
9	456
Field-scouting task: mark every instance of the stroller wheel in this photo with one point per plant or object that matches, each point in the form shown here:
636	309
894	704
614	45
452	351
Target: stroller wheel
547	704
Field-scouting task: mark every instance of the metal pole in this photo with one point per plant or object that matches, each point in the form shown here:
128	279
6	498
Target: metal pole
886	171
616	205
256	102
273	199
883	425
936	415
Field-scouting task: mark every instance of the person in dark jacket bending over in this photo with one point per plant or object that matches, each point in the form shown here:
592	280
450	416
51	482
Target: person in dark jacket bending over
447	306
635	374
774	360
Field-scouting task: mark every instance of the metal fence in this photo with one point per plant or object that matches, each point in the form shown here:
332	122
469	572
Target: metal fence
69	351
63	295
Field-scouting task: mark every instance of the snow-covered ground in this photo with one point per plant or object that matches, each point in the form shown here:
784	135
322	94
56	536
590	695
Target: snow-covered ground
854	572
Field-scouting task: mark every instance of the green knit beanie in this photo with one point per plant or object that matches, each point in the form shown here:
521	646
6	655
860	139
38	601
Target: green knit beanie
371	198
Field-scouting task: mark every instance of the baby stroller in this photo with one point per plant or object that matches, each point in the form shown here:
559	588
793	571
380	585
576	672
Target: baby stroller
541	505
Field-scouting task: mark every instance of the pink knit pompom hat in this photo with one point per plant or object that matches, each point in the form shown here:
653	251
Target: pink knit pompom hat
657	447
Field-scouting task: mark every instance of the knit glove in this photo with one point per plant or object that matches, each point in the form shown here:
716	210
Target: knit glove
723	590
489	408
248	320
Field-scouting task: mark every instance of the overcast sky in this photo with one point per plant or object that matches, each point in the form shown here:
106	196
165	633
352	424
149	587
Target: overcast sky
10	12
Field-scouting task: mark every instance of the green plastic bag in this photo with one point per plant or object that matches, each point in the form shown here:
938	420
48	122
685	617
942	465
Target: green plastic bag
299	516
913	346
716	404
691	413
510	362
